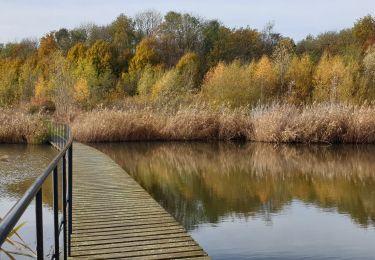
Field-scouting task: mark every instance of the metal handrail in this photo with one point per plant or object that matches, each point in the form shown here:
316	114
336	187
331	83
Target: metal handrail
62	140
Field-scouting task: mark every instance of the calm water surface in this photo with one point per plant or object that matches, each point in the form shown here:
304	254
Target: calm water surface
19	166
261	201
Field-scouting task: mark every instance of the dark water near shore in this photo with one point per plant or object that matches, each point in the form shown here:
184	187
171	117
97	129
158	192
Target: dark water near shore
261	201
20	165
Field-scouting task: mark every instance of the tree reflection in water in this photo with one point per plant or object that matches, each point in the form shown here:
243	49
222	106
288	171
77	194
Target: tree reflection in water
204	182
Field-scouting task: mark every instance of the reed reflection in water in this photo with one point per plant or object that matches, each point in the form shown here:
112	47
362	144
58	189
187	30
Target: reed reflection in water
20	165
310	201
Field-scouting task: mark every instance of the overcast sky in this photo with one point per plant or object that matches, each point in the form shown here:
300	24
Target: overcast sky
294	18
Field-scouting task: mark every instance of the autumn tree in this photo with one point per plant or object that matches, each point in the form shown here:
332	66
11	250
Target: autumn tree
76	53
10	90
92	71
180	80
147	23
282	56
146	53
369	65
178	34
269	39
20	50
61	83
243	44
231	84
299	78
122	41
97	33
100	56
78	35
332	80
364	31
265	78
63	39
149	76
47	46
188	71
46	50
28	76
165	86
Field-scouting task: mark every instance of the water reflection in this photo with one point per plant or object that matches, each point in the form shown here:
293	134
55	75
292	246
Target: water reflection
261	201
20	165
201	183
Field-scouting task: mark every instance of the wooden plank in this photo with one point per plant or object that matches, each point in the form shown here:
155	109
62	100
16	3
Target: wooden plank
121	248
115	218
136	243
115	231
129	235
79	244
173	252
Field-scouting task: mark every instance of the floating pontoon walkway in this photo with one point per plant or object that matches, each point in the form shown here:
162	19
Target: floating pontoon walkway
114	217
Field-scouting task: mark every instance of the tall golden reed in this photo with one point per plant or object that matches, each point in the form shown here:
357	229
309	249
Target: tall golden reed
316	123
19	127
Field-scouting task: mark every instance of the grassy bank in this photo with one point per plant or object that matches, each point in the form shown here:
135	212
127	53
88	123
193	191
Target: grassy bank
20	127
319	123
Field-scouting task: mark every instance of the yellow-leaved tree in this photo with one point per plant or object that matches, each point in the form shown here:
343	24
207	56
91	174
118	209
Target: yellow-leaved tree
150	75
265	77
81	91
231	84
10	90
146	56
181	80
332	80
299	78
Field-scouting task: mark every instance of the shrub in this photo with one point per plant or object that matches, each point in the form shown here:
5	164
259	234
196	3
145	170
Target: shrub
231	84
332	79
265	78
166	85
10	90
188	70
299	77
149	77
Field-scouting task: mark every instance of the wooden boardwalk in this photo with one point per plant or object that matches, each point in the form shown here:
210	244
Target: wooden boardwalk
115	218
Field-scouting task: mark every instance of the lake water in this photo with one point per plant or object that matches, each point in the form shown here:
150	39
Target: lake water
262	201
19	167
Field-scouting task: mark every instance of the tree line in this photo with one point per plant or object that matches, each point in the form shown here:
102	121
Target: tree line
161	58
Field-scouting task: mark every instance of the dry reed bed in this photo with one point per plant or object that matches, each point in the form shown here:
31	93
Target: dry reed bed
318	123
147	124
19	127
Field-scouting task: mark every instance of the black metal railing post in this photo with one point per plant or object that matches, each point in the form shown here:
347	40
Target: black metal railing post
70	196
56	213
64	198
39	224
